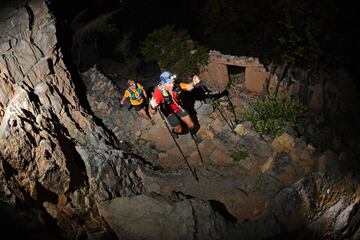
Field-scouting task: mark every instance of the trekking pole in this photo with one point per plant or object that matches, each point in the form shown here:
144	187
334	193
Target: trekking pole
216	106
197	148
182	154
192	136
232	110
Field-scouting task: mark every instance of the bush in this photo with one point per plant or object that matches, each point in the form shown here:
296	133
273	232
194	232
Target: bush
96	26
238	156
271	115
174	50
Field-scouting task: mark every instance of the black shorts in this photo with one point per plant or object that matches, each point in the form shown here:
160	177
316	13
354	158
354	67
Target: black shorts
174	118
140	106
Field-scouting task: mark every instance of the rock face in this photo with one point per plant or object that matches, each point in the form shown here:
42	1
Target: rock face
157	219
53	154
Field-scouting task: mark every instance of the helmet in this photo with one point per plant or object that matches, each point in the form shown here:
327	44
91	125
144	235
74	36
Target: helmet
166	77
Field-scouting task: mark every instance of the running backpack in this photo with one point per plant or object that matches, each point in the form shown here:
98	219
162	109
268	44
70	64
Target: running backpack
133	95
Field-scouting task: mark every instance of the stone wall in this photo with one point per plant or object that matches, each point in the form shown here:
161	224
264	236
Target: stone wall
296	82
217	77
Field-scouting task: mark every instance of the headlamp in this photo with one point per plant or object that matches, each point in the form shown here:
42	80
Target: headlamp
172	77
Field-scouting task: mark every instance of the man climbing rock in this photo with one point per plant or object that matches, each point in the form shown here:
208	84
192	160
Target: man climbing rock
138	98
166	98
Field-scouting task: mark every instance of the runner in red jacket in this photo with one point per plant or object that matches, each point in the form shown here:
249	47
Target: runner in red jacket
166	96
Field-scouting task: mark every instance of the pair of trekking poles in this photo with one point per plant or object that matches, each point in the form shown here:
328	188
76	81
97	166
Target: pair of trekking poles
178	146
197	147
216	105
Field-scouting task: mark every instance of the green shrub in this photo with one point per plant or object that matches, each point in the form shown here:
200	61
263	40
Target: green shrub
239	155
98	25
174	50
271	115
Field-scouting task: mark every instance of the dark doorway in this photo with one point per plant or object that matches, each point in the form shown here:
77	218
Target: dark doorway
236	74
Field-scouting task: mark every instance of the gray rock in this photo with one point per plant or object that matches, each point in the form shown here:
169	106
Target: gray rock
253	144
287	208
343	220
205	109
289	130
143	217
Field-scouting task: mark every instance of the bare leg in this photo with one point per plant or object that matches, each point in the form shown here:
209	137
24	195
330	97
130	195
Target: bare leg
152	111
144	114
177	129
188	121
190	124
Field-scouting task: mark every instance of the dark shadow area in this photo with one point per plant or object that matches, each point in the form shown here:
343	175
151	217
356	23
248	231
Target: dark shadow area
300	234
44	194
202	93
220	208
145	162
35	99
31	17
74	163
51	66
64	37
8	170
26	223
235	70
26	218
183	195
176	195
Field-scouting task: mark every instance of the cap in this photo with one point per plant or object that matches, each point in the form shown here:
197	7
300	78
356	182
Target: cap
167	77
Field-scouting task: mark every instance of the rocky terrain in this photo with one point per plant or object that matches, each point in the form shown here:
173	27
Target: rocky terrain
84	168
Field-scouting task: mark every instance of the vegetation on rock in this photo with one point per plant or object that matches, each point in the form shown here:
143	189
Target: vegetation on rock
173	49
271	115
239	155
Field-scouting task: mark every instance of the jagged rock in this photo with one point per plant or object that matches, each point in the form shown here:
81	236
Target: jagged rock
265	226
253	143
290	131
284	142
142	217
343	219
288	209
62	162
243	128
108	174
328	162
203	109
50	146
284	169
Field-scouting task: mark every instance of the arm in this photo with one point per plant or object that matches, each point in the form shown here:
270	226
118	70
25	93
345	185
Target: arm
122	100
152	110
153	105
156	100
145	94
143	90
190	86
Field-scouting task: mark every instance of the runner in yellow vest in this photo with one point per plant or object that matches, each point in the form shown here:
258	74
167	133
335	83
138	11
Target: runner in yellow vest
138	98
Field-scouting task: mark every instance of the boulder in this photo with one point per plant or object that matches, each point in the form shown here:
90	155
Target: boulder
144	217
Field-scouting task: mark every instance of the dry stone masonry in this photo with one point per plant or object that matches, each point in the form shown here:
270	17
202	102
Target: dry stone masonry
217	76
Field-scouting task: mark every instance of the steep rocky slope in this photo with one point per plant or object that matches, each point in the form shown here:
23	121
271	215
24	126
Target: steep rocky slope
76	172
53	154
283	188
